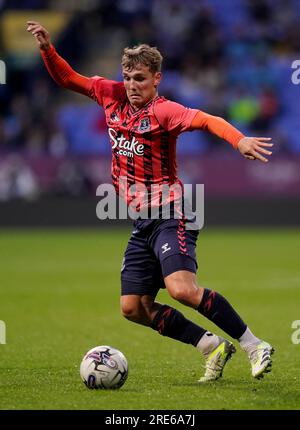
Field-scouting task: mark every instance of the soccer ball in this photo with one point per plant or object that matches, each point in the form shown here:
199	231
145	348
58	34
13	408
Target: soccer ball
104	367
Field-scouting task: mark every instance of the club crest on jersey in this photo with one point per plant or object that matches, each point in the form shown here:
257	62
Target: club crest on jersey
144	125
114	117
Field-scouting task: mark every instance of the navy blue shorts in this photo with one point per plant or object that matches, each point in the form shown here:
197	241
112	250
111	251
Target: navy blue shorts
156	249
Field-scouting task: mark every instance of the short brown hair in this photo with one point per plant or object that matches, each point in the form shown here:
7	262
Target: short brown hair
142	54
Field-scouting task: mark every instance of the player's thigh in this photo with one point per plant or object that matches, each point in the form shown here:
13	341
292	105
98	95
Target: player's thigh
141	273
175	247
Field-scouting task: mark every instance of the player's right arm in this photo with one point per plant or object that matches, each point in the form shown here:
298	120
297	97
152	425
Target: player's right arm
58	68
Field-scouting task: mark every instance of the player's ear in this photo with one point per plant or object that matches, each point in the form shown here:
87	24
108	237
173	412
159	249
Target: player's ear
157	78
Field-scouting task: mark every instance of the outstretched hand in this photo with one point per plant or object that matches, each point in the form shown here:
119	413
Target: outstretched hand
41	35
253	148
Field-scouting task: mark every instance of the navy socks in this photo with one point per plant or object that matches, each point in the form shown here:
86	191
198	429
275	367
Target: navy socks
170	322
218	310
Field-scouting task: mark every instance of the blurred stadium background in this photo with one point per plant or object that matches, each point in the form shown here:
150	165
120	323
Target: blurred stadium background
59	289
231	59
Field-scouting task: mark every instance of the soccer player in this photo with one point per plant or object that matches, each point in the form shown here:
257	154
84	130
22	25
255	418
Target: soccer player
143	128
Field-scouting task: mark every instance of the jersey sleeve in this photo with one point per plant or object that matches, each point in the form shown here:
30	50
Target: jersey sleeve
105	91
174	117
217	126
63	74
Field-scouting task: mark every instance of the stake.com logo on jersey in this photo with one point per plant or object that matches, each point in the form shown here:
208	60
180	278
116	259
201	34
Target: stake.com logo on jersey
126	147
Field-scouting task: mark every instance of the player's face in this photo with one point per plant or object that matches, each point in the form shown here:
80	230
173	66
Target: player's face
141	85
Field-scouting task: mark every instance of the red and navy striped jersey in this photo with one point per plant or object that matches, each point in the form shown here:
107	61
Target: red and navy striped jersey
144	141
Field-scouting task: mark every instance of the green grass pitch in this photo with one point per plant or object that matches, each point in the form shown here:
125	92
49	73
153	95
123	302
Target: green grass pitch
59	297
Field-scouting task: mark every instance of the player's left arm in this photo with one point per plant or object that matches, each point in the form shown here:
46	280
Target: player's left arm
250	147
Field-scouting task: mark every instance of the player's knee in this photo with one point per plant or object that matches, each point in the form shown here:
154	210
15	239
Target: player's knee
179	292
185	293
129	311
138	309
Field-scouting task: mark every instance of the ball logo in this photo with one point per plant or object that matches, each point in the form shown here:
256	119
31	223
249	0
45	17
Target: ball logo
102	358
94	355
125	147
91	382
110	363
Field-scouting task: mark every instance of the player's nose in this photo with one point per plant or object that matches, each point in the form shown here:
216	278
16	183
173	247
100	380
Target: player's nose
132	85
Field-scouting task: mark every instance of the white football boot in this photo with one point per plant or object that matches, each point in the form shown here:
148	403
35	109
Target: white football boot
217	359
260	359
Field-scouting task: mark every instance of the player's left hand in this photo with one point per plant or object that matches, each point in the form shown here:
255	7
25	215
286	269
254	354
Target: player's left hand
253	148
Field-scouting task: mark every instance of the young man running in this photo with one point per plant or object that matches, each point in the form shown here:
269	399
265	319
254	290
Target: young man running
143	128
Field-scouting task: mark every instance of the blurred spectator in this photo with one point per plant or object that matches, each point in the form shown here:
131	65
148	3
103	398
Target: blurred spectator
72	180
260	10
268	111
57	144
17	180
244	109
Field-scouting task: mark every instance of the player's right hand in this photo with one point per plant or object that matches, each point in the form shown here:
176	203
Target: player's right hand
41	35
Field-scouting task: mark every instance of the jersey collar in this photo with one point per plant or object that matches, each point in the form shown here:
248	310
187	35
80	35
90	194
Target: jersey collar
136	112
